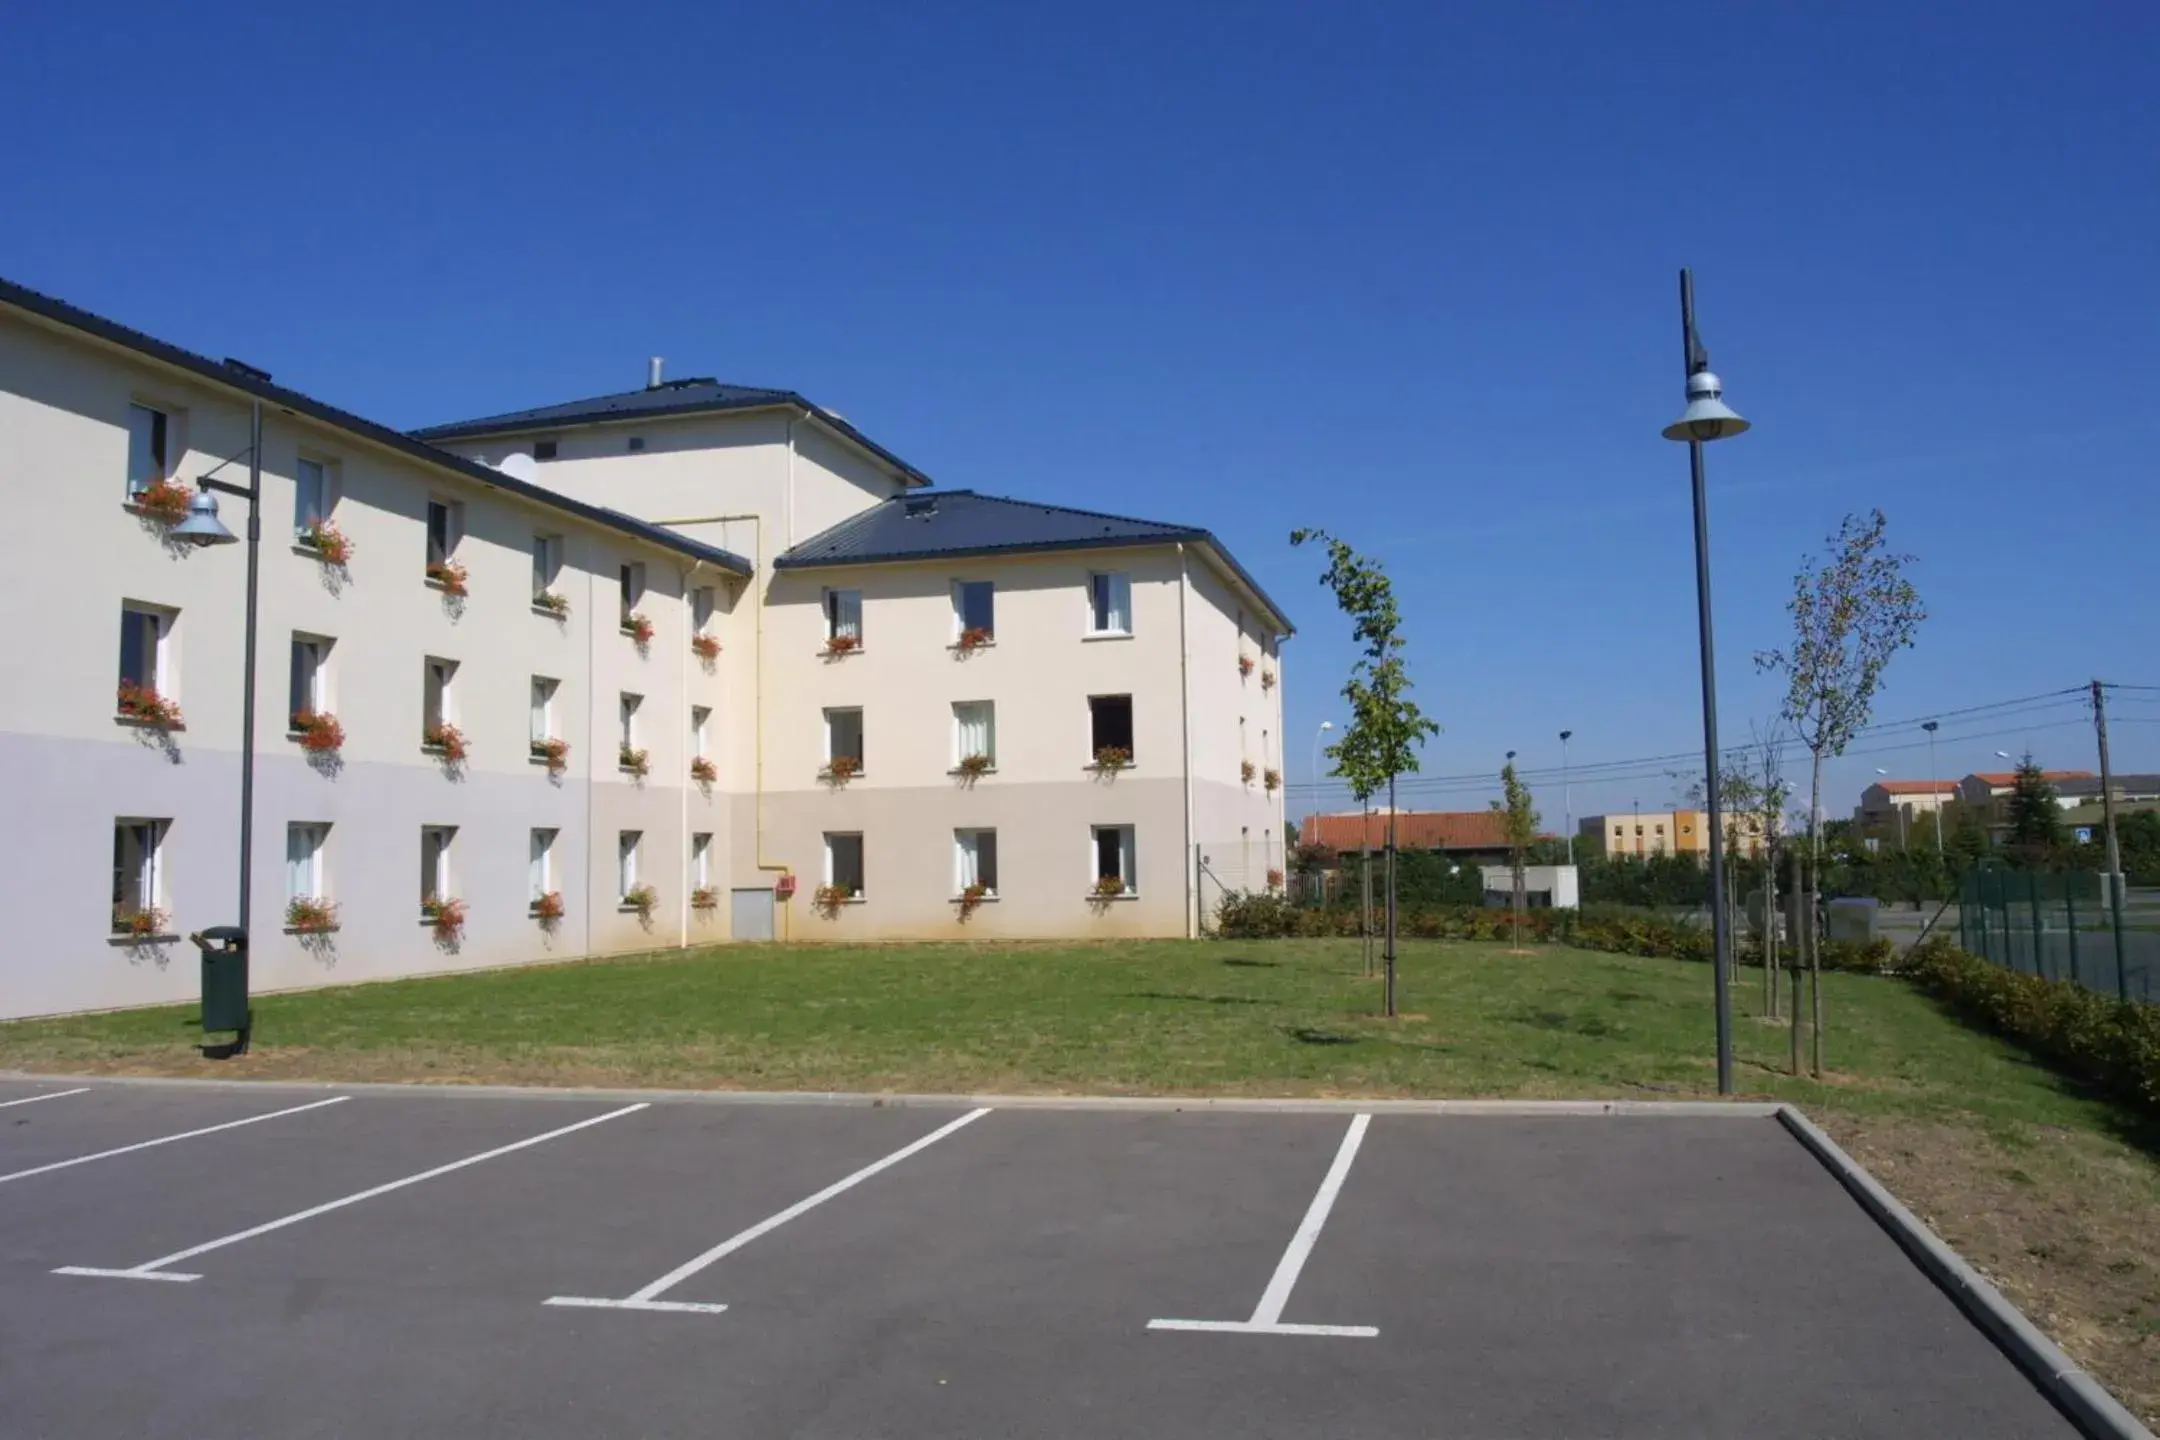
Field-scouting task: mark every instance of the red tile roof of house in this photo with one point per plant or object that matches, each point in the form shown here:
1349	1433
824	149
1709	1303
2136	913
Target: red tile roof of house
1917	787
1414	830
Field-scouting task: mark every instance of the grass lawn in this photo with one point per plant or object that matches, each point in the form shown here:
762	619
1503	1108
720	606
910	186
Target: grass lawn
2050	1192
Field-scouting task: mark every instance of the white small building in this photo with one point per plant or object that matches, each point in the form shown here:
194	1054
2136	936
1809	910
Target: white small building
1546	886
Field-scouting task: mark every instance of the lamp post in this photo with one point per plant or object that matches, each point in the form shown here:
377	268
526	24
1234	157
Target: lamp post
1708	418
1325	726
1567	797
1934	784
203	528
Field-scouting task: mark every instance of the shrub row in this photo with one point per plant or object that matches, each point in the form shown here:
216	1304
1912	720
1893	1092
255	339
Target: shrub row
1264	916
2112	1045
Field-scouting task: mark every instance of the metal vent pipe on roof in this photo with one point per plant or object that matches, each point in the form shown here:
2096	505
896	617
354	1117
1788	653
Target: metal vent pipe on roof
652	371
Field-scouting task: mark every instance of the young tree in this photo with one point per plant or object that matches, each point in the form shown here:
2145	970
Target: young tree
2036	828
1850	614
1519	821
1385	724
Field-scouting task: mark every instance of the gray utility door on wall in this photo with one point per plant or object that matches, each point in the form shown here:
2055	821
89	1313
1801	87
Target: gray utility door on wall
750	914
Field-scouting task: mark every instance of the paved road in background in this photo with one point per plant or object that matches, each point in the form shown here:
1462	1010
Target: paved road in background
385	1265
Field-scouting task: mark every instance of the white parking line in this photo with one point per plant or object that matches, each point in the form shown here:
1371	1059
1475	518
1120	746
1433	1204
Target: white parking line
649	1297
48	1095
155	1269
1267	1315
169	1139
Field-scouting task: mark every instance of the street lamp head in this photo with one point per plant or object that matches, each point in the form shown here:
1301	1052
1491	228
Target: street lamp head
1327	724
1707	416
1566	735
202	526
1880	771
2002	754
1931	726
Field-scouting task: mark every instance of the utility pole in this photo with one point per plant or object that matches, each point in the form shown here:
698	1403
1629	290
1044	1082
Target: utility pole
1934	782
2113	879
1567	797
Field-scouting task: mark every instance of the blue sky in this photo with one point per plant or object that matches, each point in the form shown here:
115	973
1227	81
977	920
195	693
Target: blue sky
1406	271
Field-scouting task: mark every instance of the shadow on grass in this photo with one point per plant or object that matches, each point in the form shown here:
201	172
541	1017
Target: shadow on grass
1243	963
1560	1021
1307	1035
1195	999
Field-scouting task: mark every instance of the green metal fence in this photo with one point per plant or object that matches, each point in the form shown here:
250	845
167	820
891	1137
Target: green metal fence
2063	926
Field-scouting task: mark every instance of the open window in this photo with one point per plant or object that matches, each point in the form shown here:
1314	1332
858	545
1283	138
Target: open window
1110	729
1113	859
844	736
974	611
435	877
308	683
974	734
1109	603
844	862
628	845
540	864
843	616
306	844
138	888
445	528
975	861
149	435
315	493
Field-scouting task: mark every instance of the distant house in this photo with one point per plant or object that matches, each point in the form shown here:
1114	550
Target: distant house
1888	806
1985	795
1479	835
1643	833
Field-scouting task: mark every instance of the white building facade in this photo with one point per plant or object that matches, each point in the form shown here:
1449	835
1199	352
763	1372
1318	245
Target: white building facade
582	676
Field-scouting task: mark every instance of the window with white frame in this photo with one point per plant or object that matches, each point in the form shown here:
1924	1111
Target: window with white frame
701	860
844	862
438	707
627	845
974	608
306	842
144	632
700	723
435	877
704	600
138	888
632	580
543	709
314	493
844	736
540	865
974	732
308	686
627	716
843	615
445	527
975	861
1110	603
547	553
149	432
1112	857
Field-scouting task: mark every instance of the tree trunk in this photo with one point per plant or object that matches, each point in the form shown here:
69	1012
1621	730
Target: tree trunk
1770	931
1521	899
1815	1018
1391	897
1365	900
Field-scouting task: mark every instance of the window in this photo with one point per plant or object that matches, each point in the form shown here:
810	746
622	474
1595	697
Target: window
974	860
701	861
435	862
1110	604
843	863
701	608
627	845
974	730
637	444
1110	724
436	710
547	563
626	712
540	868
1660	829
147	431
314	493
1113	856
544	449
844	737
304	842
445	527
633	591
700	722
974	607
138	870
309	687
142	647
543	708
843	615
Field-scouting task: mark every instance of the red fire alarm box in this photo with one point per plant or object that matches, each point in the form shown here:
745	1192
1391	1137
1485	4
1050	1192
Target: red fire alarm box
784	887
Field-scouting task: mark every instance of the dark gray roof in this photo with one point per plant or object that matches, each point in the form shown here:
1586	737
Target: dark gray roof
256	382
2089	788
954	524
676	397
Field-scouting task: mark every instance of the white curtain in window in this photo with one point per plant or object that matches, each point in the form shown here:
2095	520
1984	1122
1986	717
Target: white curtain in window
537	871
543	692
303	851
974	729
312	500
966	858
545	563
1120	602
843	608
701	860
626	849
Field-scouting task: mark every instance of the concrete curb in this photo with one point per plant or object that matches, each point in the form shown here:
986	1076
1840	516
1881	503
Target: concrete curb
2076	1394
1232	1104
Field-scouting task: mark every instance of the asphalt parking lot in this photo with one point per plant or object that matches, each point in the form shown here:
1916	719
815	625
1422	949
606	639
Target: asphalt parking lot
282	1261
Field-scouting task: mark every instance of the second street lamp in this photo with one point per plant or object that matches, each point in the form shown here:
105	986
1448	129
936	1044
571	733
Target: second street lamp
1708	418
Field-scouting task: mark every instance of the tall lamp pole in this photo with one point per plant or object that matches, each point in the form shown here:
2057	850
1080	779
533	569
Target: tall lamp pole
1567	797
1934	782
1708	418
225	998
1325	726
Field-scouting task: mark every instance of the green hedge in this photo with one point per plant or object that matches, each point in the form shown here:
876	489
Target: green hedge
1613	929
2113	1045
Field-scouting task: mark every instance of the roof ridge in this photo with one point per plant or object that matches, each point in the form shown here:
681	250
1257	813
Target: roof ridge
1091	514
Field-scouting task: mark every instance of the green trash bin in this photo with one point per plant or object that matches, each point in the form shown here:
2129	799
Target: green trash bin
225	981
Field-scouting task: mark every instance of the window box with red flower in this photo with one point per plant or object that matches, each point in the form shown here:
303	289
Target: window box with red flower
162	502
705	647
317	731
328	543
446	740
447	576
145	706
